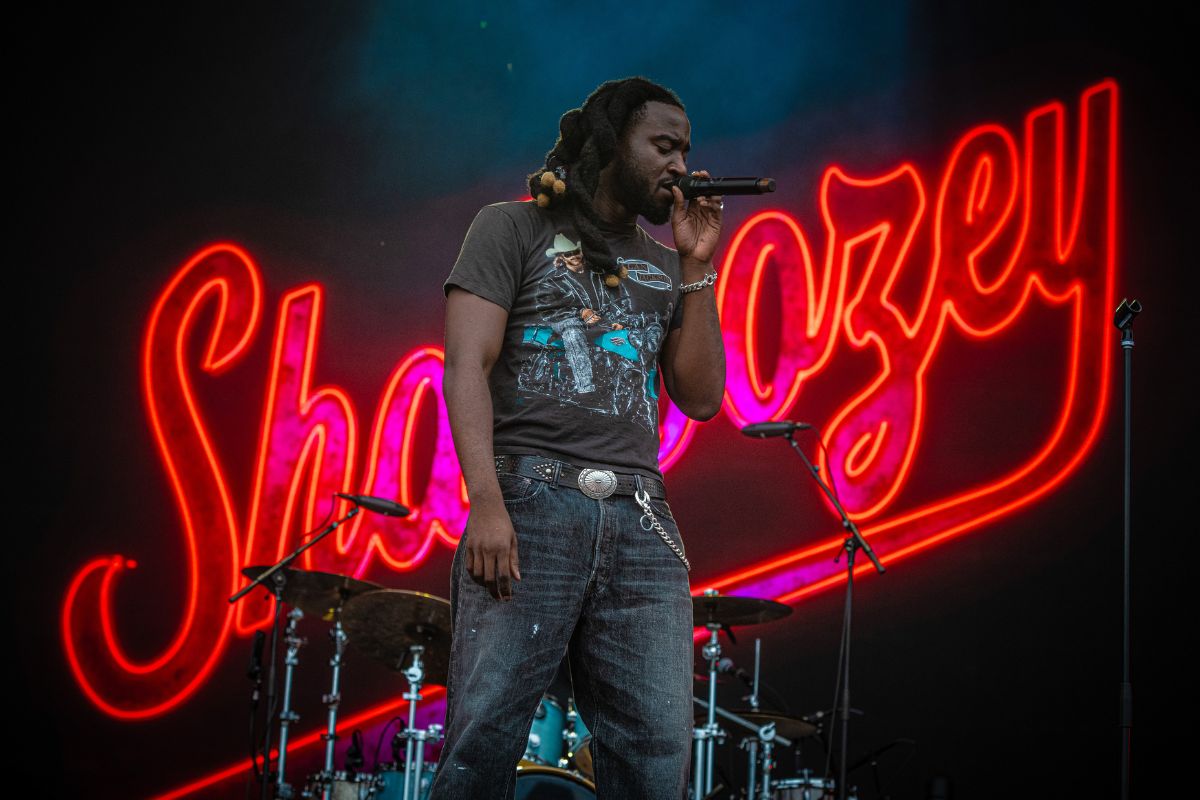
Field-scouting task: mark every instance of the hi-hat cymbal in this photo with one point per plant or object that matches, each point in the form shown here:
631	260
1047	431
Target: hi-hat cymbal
387	623
723	610
317	594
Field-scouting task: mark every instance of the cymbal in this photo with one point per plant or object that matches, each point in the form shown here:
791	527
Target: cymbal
317	594
788	727
785	726
727	610
385	624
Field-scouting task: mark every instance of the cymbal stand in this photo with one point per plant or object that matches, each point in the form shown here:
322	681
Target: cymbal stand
415	740
750	743
760	731
332	701
283	789
706	737
277	575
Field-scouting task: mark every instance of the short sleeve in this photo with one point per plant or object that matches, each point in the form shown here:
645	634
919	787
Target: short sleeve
489	264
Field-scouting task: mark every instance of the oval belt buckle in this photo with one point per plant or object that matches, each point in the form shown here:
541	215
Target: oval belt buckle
597	483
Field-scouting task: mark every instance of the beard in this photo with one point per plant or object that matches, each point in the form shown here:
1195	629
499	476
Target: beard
636	191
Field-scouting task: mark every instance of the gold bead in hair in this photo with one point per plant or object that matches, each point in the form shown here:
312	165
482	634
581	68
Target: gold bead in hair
543	200
547	179
612	281
560	187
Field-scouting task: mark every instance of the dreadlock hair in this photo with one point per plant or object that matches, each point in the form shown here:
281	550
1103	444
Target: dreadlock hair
589	137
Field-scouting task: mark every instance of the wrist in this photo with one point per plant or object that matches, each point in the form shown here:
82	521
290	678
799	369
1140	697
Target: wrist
486	499
694	269
704	282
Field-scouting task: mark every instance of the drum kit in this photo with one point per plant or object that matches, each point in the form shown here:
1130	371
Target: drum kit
409	633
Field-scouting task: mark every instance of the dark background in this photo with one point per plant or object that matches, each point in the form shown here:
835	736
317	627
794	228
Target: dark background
351	144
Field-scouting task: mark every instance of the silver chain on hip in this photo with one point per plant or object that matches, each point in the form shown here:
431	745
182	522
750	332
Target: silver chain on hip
650	522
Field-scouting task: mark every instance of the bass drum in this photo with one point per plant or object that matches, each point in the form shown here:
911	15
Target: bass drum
535	782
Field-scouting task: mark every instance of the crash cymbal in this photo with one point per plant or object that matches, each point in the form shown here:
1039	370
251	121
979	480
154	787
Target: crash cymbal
385	624
317	594
723	610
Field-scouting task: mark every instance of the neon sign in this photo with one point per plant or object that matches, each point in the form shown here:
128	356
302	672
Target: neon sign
1011	221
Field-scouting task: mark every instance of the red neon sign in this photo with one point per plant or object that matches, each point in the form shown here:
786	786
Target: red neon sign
1011	223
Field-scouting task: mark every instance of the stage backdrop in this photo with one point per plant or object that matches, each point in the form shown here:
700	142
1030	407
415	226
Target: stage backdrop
241	246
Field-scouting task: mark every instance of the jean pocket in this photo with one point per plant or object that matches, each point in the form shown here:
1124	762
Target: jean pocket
661	509
518	488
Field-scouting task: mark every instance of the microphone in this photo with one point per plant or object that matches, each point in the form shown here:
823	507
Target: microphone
254	673
376	504
762	430
708	187
725	666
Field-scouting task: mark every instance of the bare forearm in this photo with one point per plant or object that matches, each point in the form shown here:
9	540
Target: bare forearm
469	404
697	365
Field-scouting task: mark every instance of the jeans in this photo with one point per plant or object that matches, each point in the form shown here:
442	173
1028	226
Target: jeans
595	584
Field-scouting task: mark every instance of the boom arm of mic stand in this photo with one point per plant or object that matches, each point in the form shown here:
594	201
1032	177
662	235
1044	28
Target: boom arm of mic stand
261	579
847	523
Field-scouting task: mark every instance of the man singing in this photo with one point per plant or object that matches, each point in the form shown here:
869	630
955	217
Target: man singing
561	316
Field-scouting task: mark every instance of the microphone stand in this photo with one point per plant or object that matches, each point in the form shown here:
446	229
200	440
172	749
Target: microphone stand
854	542
1123	320
277	574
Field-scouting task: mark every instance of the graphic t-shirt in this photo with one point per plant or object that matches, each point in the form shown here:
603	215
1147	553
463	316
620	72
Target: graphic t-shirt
577	378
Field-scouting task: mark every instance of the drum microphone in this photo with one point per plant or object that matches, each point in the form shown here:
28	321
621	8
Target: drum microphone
726	667
708	187
761	430
376	504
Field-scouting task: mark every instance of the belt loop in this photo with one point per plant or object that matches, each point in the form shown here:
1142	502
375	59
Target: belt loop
637	482
558	465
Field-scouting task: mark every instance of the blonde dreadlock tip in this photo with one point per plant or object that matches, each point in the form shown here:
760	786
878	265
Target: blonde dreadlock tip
548	179
560	187
543	200
612	281
623	272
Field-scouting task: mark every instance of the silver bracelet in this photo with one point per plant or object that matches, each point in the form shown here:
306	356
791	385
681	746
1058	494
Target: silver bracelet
703	283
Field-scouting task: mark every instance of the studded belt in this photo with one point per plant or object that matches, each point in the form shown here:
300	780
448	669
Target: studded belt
595	483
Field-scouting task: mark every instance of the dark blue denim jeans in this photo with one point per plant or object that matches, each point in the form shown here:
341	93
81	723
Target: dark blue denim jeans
598	584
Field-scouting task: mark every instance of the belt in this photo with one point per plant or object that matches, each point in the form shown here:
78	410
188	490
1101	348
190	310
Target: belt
595	483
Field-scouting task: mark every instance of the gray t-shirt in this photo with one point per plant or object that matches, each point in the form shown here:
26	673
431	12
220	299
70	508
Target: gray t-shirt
578	374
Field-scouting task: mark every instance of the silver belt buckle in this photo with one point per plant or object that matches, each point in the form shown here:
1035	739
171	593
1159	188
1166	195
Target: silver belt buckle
597	483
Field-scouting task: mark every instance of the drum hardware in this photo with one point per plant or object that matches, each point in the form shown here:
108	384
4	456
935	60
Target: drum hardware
722	613
278	575
578	743
751	743
287	716
409	632
854	542
320	594
334	697
785	725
